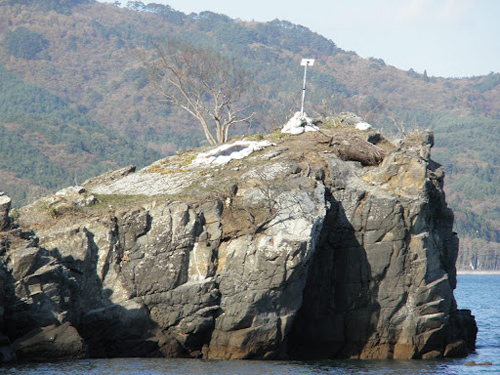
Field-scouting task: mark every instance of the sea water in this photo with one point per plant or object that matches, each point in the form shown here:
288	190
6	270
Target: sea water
480	293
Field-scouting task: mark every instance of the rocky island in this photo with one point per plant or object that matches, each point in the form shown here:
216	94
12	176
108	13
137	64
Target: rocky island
328	244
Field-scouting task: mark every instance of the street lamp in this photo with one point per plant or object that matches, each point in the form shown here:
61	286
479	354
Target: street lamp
305	63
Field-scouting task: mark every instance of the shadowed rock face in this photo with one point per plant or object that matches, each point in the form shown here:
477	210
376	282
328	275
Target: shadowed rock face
289	253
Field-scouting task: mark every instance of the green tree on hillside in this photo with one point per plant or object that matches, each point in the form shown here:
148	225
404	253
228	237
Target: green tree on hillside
24	43
60	6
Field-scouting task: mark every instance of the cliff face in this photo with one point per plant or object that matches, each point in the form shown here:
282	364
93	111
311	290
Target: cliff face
291	252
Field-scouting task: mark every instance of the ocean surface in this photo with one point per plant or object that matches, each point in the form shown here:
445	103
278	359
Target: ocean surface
479	293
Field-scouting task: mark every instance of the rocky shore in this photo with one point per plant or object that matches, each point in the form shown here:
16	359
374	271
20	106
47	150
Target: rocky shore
331	244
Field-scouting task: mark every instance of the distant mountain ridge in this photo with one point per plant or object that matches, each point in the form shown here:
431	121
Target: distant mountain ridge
83	58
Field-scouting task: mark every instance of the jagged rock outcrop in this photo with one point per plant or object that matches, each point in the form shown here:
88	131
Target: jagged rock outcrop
291	252
5	202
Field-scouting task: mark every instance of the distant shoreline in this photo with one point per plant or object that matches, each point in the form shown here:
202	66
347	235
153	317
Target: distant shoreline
467	272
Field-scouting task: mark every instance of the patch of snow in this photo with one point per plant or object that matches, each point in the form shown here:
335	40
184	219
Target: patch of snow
232	151
363	126
299	124
72	190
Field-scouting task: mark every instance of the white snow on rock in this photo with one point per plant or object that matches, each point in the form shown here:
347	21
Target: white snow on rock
363	126
71	190
299	124
232	151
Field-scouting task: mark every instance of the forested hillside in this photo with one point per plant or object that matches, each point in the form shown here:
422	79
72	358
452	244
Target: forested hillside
75	101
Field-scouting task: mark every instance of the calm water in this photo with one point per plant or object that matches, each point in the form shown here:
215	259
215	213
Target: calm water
480	293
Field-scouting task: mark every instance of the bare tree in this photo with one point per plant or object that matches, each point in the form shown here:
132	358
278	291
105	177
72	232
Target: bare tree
209	86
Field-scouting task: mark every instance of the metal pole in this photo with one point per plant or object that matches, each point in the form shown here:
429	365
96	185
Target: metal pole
305	63
304	88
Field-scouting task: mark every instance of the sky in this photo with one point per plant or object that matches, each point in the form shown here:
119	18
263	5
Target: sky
447	38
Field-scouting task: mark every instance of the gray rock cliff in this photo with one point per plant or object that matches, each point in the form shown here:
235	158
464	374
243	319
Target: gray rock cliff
296	251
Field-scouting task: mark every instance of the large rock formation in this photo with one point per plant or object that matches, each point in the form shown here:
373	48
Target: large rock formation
292	252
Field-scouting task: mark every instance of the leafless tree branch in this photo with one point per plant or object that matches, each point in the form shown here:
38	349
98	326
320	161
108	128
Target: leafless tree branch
209	86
